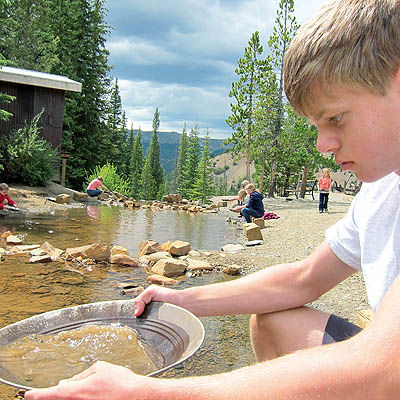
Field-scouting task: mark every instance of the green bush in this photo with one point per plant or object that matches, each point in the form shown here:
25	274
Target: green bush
30	158
112	180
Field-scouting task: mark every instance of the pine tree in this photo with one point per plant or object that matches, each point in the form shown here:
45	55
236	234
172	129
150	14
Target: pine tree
129	151
27	38
203	185
116	129
250	70
81	31
181	161
136	166
153	173
284	30
192	162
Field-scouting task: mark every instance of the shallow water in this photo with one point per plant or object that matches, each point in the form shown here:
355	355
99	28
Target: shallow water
28	289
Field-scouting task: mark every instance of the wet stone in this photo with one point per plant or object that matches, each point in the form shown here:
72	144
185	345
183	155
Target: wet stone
72	280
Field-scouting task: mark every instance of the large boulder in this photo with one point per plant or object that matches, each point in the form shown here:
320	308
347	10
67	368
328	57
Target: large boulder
148	247
198	265
63	198
119	250
179	248
169	267
96	251
123	259
252	232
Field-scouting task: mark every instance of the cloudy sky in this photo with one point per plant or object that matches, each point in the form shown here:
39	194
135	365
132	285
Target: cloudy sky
181	55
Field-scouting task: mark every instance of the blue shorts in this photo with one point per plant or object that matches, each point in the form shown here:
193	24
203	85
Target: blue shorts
338	329
94	193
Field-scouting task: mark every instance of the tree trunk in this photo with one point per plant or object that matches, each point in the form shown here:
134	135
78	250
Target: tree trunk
304	181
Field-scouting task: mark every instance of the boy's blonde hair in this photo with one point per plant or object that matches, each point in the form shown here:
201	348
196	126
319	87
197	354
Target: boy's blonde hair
250	186
4	186
349	43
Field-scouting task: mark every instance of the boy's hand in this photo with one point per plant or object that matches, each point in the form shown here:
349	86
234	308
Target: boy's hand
152	293
99	382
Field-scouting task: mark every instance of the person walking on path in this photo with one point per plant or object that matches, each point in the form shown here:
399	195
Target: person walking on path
93	187
341	71
324	187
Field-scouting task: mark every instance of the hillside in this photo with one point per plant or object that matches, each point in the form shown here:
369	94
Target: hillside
235	172
169	145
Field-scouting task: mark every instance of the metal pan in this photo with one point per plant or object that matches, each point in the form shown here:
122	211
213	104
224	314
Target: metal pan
172	332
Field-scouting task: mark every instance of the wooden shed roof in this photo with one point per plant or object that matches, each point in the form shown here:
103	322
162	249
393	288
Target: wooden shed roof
35	78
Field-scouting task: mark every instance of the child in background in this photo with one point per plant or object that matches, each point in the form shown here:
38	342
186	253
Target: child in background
324	187
93	187
5	200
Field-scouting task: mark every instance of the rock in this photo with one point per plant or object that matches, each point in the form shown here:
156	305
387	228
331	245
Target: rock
259	222
38	252
252	232
27	247
40	259
222	204
194	253
72	280
80	196
96	251
63	198
133	291
5	235
165	246
144	260
3	251
52	251
179	248
199	265
123	259
160	279
232	248
128	204
158	256
12	239
232	270
169	268
229	219
148	247
119	250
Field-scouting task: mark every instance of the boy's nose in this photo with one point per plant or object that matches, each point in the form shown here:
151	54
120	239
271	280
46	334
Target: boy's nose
327	143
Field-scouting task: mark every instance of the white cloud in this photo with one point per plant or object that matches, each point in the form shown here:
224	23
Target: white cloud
194	46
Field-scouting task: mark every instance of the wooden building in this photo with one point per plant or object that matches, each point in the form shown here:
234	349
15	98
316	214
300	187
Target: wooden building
35	91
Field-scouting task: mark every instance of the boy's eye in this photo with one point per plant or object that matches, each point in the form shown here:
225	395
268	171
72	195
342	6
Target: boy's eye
336	118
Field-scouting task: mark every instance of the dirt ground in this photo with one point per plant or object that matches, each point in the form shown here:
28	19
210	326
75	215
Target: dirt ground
298	231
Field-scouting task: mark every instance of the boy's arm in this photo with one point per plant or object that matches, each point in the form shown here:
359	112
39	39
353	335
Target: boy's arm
364	367
275	288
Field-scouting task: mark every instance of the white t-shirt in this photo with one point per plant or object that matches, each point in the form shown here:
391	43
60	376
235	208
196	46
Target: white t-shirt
368	237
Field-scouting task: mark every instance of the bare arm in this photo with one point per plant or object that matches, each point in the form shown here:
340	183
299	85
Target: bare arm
275	288
364	367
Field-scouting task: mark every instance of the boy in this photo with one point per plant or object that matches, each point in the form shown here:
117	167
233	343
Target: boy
5	200
342	71
254	207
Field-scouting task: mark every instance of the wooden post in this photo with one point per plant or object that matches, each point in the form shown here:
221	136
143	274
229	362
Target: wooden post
64	158
63	169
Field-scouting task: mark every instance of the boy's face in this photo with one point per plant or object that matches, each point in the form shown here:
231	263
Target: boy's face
3	192
362	130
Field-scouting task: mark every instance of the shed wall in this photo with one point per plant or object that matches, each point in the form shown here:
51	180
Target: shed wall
30	100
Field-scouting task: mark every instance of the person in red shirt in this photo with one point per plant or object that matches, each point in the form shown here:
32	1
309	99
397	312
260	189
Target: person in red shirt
93	187
5	199
324	187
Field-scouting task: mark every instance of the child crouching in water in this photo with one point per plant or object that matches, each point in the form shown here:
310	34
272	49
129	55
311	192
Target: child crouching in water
5	200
